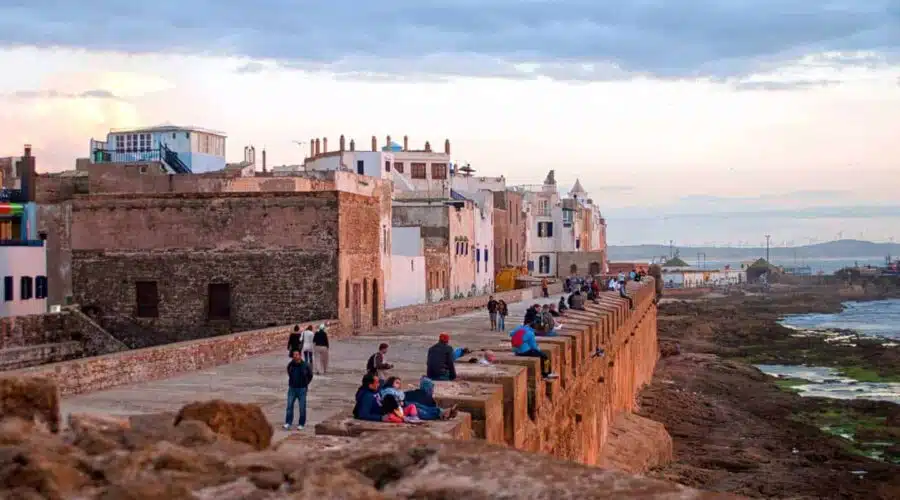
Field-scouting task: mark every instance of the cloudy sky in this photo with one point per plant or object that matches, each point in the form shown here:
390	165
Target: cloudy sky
694	120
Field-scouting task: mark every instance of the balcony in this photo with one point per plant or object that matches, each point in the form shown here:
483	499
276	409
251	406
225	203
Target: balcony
13	196
100	155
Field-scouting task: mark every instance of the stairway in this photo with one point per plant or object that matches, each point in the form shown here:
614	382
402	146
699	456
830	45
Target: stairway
171	160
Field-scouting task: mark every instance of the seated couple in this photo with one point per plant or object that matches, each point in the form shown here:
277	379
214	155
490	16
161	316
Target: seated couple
543	321
524	343
389	403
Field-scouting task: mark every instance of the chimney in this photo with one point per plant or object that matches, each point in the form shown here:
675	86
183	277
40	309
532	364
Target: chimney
324	144
27	174
374	143
312	148
264	159
405	143
447	146
27	151
317	147
387	142
352	145
427	147
341	143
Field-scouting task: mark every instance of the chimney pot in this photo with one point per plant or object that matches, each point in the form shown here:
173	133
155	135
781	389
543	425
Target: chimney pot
352	145
317	148
447	146
27	150
264	159
312	148
324	144
427	147
374	143
387	142
405	143
341	143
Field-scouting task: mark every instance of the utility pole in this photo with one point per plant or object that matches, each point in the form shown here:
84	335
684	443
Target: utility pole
768	237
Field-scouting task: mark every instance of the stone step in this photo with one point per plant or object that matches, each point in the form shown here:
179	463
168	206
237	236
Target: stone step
23	357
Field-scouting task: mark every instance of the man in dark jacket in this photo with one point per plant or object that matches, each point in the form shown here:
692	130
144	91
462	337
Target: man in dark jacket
294	341
439	364
531	314
368	403
299	377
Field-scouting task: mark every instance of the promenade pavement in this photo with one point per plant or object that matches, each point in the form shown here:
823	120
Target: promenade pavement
263	379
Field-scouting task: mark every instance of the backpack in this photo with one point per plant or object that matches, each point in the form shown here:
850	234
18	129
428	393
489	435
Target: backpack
518	338
370	364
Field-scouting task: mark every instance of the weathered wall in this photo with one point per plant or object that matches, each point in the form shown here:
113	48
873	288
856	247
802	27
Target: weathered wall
509	229
462	259
581	260
277	251
435	223
55	220
360	259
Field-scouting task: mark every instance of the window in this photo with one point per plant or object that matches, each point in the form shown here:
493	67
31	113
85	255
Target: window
412	265
26	284
147	299
438	170
568	217
120	143
544	264
485	258
41	290
130	143
365	290
398	166
219	297
545	229
360	167
387	166
417	170
478	260
577	243
8	288
347	294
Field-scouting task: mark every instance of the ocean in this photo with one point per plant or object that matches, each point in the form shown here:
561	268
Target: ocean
825	266
879	318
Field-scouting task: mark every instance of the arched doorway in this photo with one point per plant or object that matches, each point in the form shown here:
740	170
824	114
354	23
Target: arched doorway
375	302
573	269
595	268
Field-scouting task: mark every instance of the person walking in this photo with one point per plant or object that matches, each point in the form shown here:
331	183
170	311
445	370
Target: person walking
320	341
306	342
295	341
492	312
299	376
545	287
502	313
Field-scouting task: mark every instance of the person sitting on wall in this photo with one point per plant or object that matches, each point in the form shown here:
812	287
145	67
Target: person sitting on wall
440	360
524	343
368	400
562	305
544	324
577	302
553	312
624	294
423	399
530	314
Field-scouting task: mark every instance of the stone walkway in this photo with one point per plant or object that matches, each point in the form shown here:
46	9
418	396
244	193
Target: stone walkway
262	379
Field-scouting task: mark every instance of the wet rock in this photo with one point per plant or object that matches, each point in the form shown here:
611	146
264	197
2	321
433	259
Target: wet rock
30	398
245	423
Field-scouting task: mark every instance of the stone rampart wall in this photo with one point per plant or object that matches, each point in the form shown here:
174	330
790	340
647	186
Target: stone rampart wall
572	417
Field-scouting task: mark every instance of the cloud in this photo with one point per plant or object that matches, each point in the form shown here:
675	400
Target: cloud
56	94
769	85
576	40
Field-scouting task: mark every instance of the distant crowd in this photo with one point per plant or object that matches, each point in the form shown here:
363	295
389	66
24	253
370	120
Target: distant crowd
381	396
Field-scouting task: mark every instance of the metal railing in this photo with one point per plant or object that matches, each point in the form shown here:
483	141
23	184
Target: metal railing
131	156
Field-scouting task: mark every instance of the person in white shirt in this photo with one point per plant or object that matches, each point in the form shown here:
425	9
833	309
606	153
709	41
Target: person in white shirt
307	347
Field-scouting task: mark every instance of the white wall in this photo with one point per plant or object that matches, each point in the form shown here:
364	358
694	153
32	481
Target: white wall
15	262
372	162
406	285
484	241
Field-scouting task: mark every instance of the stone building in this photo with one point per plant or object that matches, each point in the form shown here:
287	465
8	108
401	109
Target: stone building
159	268
510	229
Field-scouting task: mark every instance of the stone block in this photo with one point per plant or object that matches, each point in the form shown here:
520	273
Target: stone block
514	380
577	336
555	350
484	402
535	380
553	388
343	424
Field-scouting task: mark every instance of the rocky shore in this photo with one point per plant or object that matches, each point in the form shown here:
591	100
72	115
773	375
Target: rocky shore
737	430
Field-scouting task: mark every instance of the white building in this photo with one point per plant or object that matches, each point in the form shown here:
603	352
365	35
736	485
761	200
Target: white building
407	285
23	266
182	149
484	241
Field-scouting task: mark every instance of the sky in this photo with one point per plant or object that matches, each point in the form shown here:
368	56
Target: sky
700	121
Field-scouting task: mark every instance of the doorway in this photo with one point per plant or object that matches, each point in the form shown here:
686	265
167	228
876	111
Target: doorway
375	302
356	304
595	268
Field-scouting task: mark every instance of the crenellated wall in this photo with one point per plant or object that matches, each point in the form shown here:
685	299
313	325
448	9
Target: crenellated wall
577	415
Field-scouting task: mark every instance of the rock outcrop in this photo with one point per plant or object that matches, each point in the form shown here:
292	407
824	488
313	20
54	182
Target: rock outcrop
150	457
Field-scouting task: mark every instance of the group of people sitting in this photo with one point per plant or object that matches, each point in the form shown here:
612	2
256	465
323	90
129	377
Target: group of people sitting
382	399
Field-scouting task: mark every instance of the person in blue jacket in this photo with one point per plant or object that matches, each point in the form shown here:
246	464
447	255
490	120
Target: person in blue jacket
368	400
524	343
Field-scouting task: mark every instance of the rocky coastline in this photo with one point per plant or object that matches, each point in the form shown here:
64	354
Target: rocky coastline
740	431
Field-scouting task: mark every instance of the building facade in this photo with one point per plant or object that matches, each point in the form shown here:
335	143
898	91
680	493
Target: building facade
160	268
199	150
407	284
